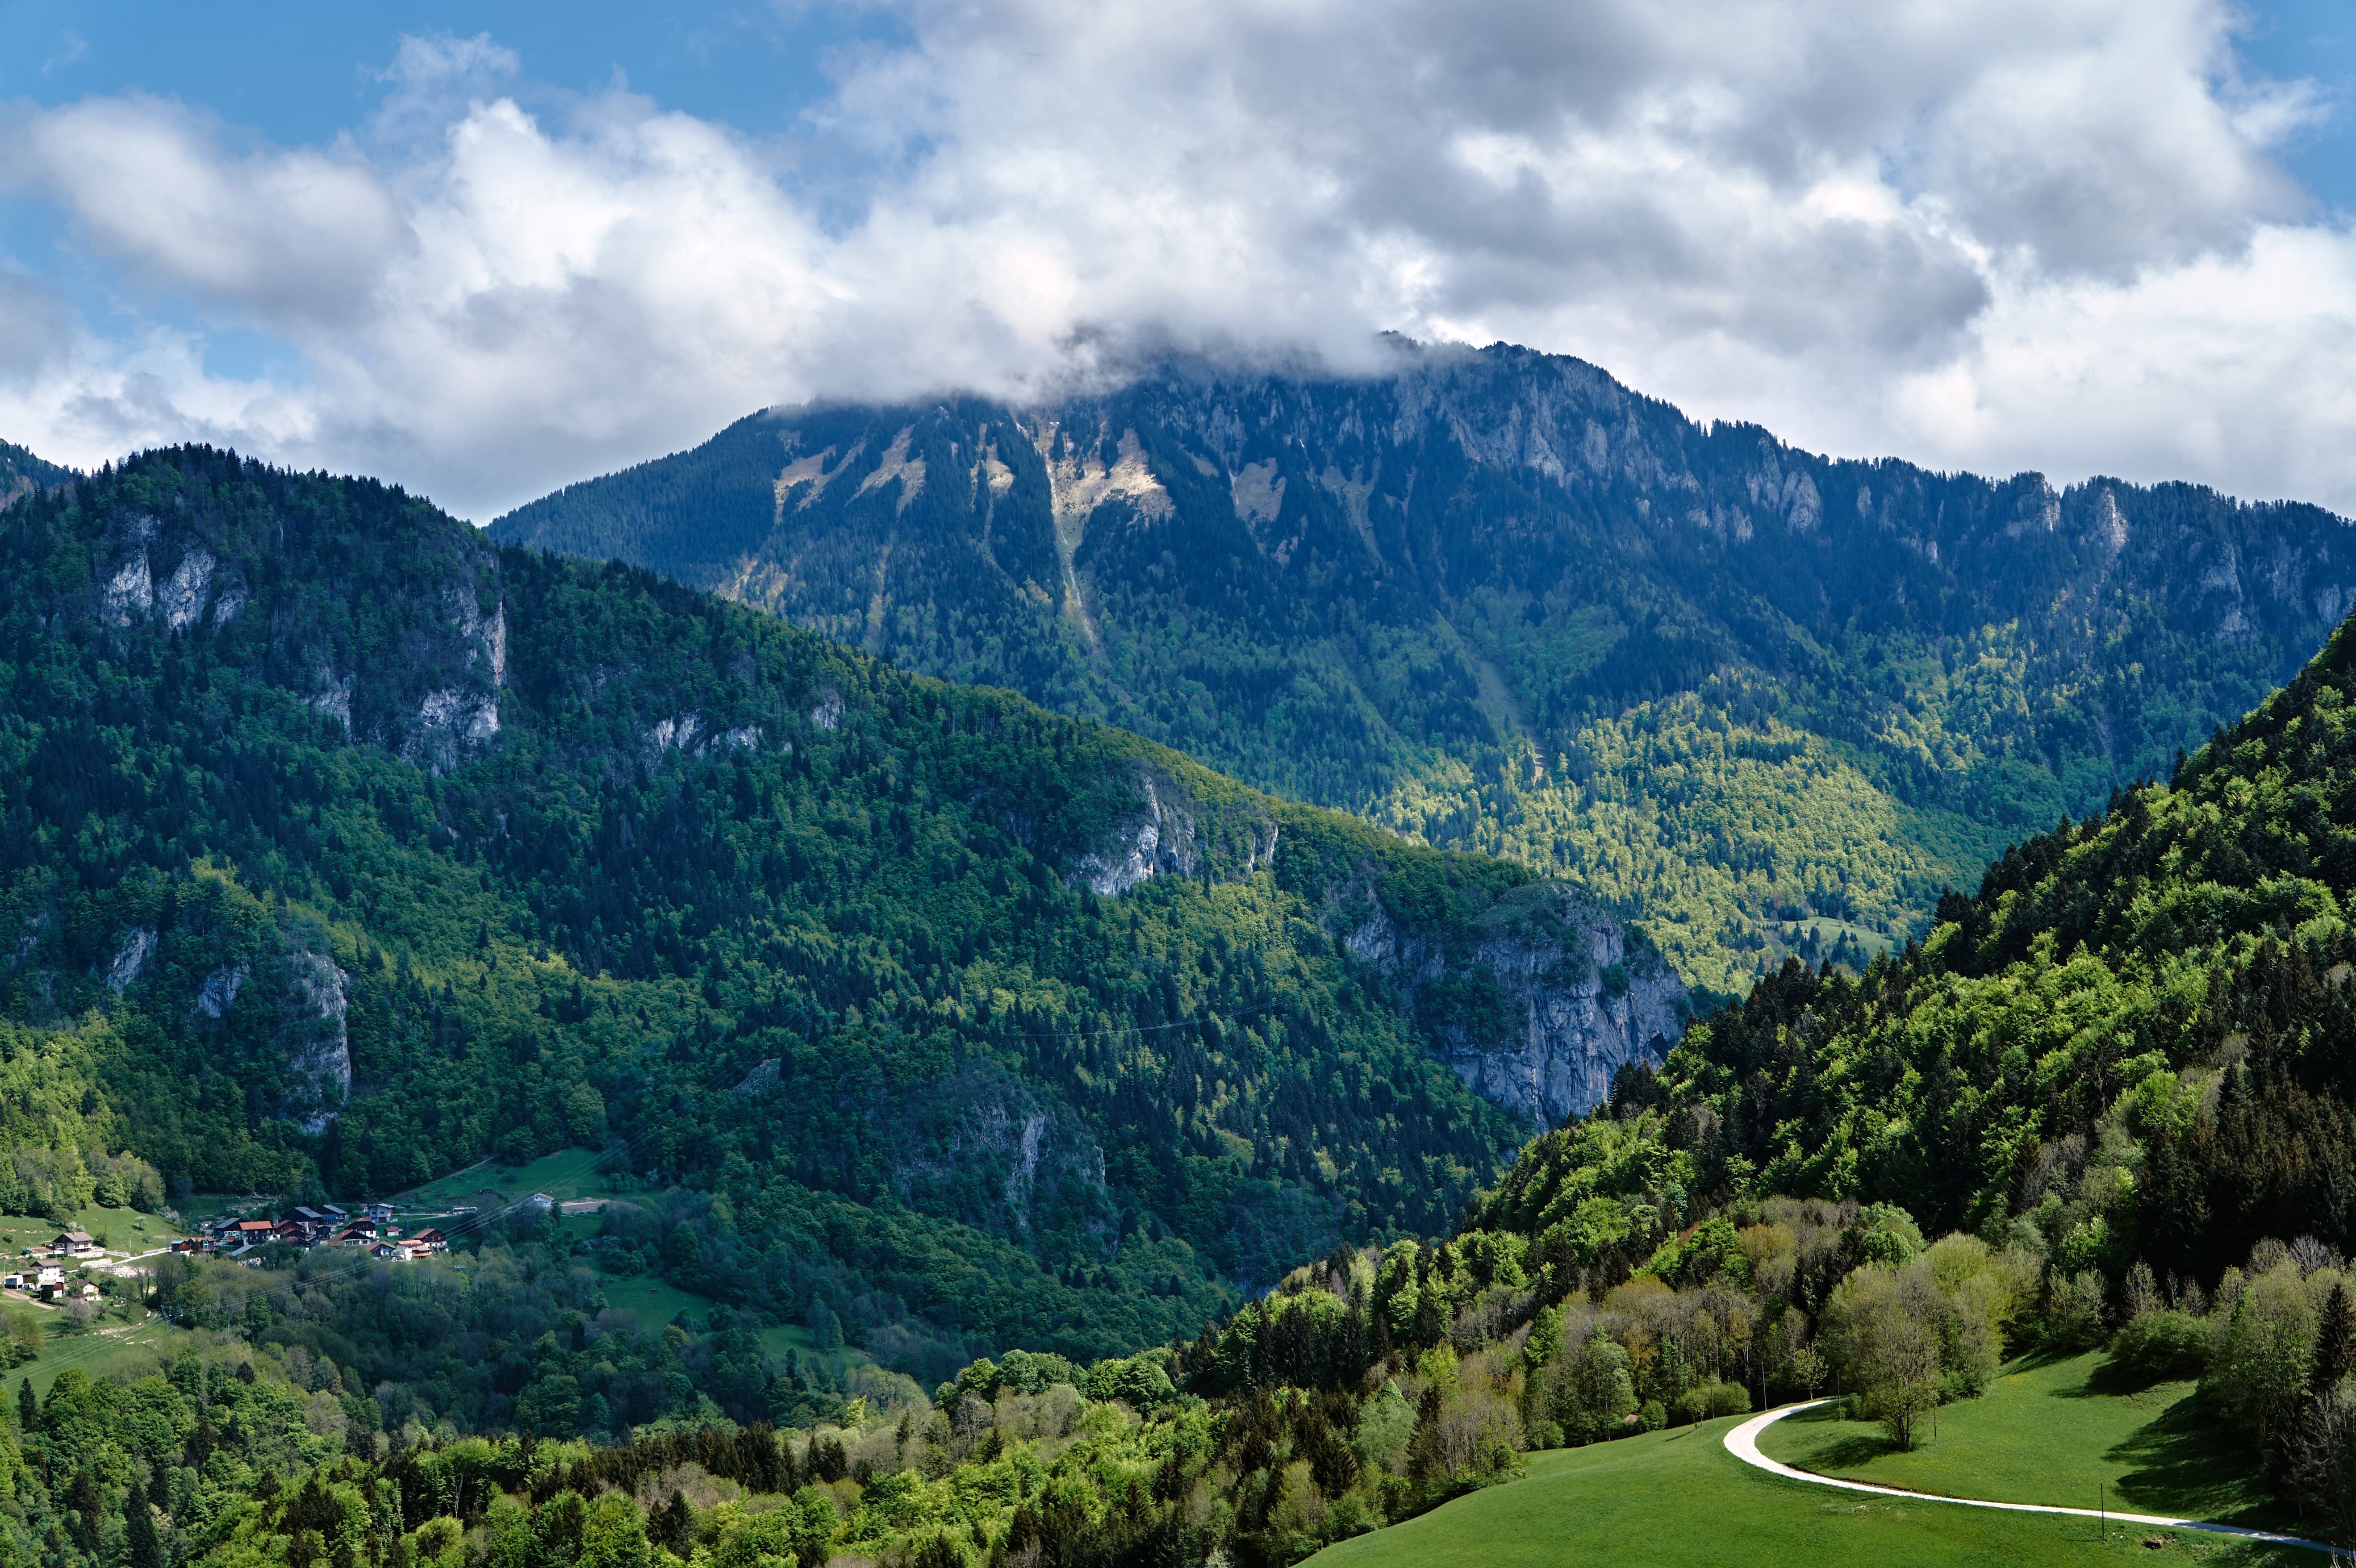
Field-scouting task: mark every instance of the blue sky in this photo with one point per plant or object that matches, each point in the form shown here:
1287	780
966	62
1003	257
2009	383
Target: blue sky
2315	39
307	73
488	249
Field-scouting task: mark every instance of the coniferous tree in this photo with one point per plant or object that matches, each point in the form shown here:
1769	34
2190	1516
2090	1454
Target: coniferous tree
674	1526
2335	1346
145	1547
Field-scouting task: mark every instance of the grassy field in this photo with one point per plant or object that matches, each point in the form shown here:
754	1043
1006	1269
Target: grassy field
2053	1431
1679	1498
124	1229
566	1175
98	1353
657	1301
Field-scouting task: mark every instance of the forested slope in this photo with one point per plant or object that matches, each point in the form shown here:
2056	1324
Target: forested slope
342	850
1767	702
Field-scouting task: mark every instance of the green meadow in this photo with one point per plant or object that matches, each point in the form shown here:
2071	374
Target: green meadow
567	1175
1679	1498
2058	1430
2055	1430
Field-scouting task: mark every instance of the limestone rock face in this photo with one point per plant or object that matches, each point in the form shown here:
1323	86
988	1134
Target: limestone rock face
1552	999
1169	833
318	1048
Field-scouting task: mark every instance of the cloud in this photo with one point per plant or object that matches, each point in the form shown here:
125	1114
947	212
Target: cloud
71	49
289	235
2006	233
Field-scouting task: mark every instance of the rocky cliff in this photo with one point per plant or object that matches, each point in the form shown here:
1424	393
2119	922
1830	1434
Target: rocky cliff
1549	1000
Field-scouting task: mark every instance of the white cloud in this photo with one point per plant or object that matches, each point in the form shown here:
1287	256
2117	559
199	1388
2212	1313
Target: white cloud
2023	232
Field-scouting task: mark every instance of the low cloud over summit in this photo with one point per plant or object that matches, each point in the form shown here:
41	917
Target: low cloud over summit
2049	235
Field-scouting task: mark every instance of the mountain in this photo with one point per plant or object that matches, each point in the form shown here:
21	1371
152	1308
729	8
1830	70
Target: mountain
21	473
1764	702
341	848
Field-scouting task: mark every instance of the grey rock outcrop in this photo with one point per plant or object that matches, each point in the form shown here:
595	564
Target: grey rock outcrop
318	1048
1024	1146
1551	1000
1169	833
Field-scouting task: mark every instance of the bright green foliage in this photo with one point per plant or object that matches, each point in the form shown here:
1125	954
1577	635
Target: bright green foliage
1770	703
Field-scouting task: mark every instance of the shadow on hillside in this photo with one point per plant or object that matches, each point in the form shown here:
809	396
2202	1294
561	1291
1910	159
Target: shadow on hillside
1847	1453
2186	1468
2038	1360
2116	1379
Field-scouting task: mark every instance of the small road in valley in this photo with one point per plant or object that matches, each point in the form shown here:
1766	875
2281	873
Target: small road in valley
1743	1443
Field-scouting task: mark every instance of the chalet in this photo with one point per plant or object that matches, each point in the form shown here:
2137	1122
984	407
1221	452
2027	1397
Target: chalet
333	1214
380	1212
48	1277
291	1231
351	1236
73	1244
254	1230
189	1244
430	1240
310	1216
88	1293
392	1250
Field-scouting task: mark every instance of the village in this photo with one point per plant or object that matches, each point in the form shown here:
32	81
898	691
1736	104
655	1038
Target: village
371	1229
76	1267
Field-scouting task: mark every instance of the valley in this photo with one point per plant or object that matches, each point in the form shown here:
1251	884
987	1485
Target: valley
973	1132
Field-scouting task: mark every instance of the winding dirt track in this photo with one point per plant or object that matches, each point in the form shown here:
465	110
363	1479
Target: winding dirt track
1743	1443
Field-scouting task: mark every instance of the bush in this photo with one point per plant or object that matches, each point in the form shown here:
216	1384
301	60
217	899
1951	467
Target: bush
1653	1416
2163	1345
1726	1399
1545	1434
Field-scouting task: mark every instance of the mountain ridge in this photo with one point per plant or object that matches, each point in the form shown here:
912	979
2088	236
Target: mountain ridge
1766	702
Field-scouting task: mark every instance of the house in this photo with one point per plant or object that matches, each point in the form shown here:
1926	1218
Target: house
291	1231
430	1240
12	1282
190	1244
333	1214
392	1250
73	1244
350	1236
88	1293
254	1230
380	1212
48	1277
310	1216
